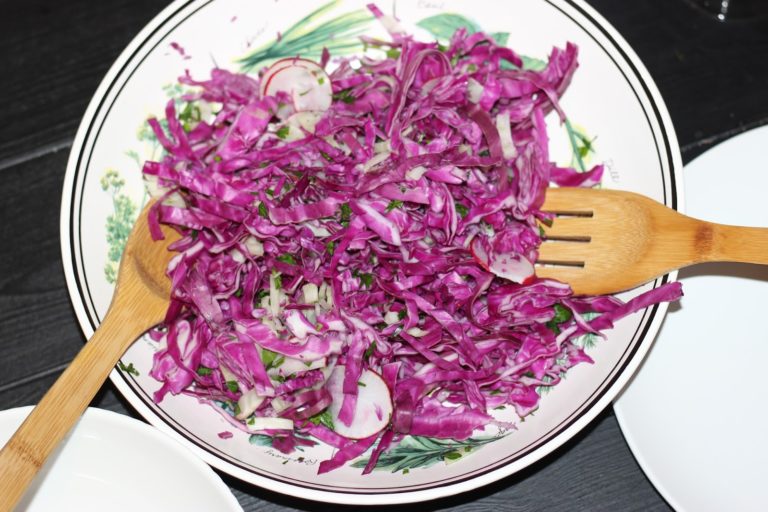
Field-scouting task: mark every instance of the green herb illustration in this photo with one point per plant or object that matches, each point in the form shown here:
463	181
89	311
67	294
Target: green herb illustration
442	26
119	222
423	452
308	36
581	145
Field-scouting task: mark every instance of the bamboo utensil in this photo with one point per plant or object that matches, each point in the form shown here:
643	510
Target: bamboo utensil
607	241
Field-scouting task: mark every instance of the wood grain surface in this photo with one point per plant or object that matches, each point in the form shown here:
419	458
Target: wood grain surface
53	55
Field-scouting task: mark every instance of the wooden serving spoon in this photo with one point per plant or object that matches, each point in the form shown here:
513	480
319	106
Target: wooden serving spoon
139	302
607	241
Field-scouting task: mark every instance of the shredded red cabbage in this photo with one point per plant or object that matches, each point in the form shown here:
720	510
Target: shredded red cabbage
393	232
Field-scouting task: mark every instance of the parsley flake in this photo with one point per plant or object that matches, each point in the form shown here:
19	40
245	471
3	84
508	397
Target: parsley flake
395	203
286	258
282	132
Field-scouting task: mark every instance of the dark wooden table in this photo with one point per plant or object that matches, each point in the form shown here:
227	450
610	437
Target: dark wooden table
712	75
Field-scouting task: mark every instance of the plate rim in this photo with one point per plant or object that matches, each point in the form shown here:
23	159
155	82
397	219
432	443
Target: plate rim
561	436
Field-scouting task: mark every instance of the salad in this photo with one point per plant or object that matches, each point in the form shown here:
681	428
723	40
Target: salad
359	244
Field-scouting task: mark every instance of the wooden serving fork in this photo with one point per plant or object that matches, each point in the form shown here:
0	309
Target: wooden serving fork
607	241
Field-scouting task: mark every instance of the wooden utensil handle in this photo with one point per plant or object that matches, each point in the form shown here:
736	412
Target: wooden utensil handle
737	244
61	407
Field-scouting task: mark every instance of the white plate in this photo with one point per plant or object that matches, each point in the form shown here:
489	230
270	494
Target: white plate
611	95
112	462
695	414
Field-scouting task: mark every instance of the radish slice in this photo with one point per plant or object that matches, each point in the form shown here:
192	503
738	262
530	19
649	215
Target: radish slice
305	81
372	411
513	267
282	64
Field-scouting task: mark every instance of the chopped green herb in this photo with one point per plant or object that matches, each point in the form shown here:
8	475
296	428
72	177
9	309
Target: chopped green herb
189	117
239	293
406	471
345	95
271	359
130	369
562	314
279	378
402	314
326	156
495	392
286	258
270	192
263	210
462	210
346	212
251	421
278	279
484	152
395	203
369	351
330	247
261	294
323	418
361	384
467	449
236	408
366	280
321	80
499	408
283	131
204	371
217	158
232	386
393	53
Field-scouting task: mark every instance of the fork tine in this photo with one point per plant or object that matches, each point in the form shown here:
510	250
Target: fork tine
565	251
568	227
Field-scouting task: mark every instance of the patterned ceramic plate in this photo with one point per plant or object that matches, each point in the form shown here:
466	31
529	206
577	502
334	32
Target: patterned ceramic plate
616	116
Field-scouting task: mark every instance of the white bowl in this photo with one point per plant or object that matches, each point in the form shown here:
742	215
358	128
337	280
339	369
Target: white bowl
110	461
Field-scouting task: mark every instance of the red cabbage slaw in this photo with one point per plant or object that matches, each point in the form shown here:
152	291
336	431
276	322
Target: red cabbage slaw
358	249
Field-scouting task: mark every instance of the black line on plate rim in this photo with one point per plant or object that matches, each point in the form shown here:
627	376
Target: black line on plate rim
627	356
